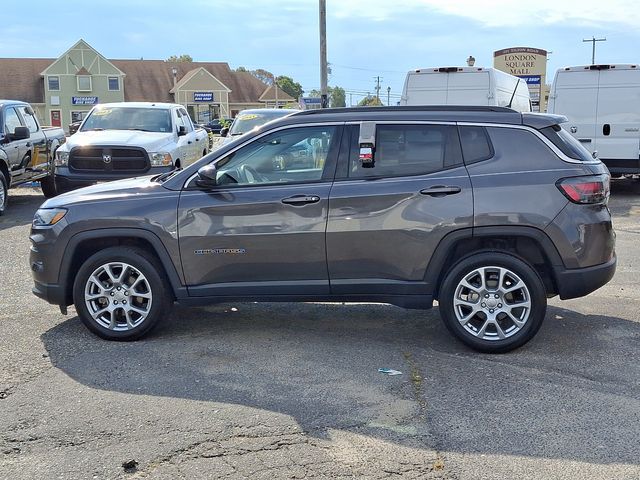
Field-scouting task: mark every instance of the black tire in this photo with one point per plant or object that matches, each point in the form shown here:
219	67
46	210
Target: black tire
452	289
48	186
152	272
4	193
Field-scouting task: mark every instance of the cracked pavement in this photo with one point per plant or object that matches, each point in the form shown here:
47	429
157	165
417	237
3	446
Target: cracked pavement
292	391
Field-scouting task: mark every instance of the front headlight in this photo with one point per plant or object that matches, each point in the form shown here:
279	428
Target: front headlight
62	158
161	159
45	217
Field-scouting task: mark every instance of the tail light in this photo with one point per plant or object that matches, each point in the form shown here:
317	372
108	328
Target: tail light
590	189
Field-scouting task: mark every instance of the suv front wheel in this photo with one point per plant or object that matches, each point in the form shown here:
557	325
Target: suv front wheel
120	294
493	302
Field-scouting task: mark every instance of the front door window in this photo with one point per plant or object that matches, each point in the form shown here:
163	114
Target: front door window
288	156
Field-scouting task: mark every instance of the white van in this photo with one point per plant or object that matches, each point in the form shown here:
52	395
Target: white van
602	103
465	86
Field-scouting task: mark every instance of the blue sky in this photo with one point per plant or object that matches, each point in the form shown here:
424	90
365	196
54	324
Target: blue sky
366	38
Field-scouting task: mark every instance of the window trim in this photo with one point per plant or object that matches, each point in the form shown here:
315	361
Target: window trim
49	77
117	79
90	89
328	173
547	142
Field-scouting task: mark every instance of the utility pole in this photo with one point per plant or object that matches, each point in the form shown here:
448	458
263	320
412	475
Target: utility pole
323	54
388	93
593	40
275	87
378	88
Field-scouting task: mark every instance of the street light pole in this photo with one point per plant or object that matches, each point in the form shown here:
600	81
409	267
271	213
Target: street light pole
323	54
388	93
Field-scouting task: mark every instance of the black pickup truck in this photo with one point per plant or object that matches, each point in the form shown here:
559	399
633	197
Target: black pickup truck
26	149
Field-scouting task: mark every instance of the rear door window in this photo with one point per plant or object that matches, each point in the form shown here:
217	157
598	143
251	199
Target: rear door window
404	150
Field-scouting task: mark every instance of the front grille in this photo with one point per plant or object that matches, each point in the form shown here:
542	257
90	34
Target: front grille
108	159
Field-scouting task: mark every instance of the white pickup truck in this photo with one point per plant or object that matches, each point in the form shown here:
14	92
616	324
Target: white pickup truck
128	139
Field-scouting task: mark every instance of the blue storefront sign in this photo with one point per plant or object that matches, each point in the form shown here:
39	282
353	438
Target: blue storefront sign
203	96
84	100
531	79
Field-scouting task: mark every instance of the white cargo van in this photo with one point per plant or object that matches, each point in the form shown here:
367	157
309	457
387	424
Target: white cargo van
465	86
602	103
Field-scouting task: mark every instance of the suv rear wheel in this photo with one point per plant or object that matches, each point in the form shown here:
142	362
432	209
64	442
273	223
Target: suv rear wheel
493	302
120	294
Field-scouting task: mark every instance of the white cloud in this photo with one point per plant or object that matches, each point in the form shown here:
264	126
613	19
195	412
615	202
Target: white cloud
500	13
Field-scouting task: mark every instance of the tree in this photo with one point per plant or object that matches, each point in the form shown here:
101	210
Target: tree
290	87
241	69
338	97
182	58
370	101
264	76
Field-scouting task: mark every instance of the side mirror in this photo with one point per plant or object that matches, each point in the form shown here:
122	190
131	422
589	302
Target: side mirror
224	131
207	176
182	131
20	133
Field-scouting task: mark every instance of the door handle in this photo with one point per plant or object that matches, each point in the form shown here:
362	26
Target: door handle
197	139
189	142
301	199
440	191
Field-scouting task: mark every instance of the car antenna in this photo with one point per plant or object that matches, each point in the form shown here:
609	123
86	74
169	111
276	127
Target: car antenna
514	92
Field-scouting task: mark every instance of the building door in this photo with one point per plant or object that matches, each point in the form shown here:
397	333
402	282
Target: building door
55	118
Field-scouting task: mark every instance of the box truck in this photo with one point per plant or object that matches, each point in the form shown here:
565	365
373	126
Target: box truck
465	86
602	103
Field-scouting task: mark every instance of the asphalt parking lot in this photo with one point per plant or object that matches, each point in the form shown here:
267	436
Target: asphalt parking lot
293	391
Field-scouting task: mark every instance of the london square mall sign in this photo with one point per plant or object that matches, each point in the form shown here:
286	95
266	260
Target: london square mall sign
530	64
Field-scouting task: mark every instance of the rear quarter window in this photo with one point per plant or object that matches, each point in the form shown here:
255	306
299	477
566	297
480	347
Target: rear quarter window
476	146
566	143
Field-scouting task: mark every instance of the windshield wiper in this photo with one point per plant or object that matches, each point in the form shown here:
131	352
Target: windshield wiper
139	129
164	176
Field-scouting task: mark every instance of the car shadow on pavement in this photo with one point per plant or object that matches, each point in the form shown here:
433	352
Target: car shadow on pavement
23	203
571	393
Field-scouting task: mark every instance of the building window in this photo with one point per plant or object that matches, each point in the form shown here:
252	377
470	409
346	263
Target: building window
54	83
114	83
84	83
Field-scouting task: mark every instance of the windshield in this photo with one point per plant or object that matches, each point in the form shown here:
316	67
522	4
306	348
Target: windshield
128	118
248	121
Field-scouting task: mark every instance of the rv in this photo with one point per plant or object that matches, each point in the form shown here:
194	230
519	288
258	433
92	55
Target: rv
465	86
602	103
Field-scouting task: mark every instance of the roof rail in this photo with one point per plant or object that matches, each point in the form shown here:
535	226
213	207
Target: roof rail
412	108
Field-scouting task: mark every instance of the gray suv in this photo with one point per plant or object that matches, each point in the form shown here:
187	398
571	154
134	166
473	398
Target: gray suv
486	210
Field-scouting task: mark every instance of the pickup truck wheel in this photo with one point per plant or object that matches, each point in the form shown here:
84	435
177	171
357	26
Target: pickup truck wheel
48	186
493	302
4	197
120	293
